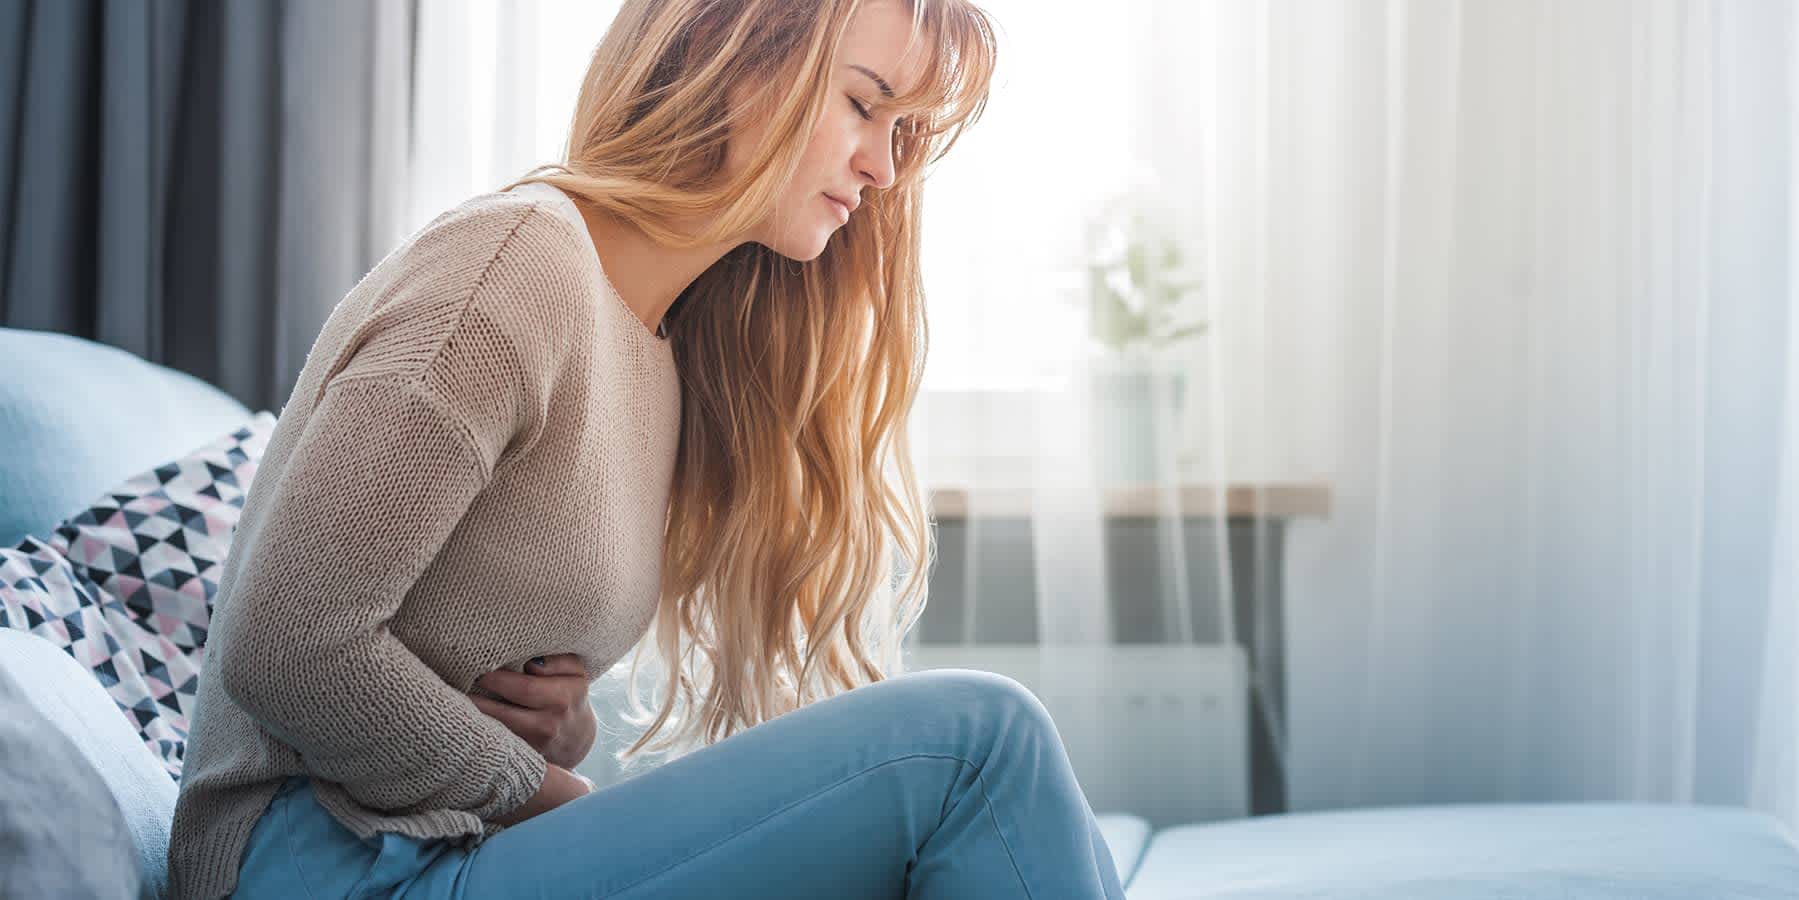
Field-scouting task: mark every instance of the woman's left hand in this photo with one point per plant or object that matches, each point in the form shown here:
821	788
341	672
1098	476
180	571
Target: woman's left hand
546	705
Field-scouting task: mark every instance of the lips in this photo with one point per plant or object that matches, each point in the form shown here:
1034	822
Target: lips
848	204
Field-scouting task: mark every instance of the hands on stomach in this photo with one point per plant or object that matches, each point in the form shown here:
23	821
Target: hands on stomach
547	705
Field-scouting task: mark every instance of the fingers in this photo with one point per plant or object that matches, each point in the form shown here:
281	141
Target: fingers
532	691
551	687
534	726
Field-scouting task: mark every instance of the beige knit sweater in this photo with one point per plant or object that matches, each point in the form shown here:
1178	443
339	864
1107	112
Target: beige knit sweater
472	470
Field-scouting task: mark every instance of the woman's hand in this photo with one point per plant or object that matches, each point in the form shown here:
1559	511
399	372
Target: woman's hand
559	786
546	705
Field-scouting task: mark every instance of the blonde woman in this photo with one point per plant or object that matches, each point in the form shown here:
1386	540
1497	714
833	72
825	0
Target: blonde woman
661	385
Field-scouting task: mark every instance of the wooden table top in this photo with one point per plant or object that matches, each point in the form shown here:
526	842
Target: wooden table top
1268	500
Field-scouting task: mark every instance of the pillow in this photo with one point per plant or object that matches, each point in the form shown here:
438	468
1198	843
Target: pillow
64	698
62	833
65	404
157	541
126	585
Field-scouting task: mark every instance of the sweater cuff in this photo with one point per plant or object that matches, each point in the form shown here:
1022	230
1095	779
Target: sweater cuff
520	777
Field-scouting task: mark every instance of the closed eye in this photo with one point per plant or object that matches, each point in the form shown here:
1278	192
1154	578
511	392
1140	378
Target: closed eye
901	124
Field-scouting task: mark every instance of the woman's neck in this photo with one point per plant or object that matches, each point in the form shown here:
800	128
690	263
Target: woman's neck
648	275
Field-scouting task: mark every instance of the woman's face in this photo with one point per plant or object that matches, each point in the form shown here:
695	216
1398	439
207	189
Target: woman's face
852	146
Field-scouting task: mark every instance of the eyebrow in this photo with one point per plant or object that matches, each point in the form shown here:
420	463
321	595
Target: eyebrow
880	82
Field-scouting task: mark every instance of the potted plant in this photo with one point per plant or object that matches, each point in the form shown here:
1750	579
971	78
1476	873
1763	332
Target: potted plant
1139	290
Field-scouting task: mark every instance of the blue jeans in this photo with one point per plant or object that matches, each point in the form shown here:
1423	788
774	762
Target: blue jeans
943	783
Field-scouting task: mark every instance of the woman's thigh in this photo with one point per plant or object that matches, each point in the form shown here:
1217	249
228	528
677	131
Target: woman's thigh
864	794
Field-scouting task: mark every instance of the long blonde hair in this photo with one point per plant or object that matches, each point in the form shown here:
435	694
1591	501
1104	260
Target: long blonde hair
793	484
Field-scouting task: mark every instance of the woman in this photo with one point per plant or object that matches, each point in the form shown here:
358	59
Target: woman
662	383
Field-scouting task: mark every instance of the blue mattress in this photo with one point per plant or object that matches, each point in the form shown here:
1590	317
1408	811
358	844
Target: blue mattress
1475	852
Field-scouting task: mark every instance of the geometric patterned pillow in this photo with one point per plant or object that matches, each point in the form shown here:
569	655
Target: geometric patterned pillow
126	585
158	540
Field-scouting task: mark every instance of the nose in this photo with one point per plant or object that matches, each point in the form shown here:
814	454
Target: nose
874	164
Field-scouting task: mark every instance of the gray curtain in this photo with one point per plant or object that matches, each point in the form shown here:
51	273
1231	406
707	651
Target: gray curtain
200	182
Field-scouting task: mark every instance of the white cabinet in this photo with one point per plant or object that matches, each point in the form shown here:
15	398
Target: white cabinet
1156	730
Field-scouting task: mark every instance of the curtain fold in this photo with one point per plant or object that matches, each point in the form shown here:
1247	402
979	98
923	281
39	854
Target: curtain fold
197	181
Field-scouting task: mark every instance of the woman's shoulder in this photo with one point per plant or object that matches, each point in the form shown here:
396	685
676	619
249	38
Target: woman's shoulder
502	250
488	272
482	226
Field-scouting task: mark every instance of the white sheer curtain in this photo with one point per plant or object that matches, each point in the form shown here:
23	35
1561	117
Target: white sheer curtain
1522	273
496	82
1499	392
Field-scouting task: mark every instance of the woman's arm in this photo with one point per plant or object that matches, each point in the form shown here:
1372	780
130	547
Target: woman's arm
373	487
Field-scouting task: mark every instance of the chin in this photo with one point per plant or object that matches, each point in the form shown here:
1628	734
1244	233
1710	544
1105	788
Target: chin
804	238
804	249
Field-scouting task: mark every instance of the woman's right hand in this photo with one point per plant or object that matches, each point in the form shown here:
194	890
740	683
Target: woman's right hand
559	787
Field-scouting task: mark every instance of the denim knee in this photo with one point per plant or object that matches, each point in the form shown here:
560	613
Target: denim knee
997	700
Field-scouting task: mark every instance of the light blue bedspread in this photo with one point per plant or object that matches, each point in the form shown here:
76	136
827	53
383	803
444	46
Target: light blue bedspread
1476	852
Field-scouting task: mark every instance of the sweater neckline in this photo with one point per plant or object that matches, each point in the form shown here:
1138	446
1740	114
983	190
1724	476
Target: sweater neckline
565	206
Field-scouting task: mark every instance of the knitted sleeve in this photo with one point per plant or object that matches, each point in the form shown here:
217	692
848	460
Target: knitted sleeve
449	378
375	484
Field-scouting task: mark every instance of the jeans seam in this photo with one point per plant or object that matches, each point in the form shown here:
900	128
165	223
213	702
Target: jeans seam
987	801
832	786
287	825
